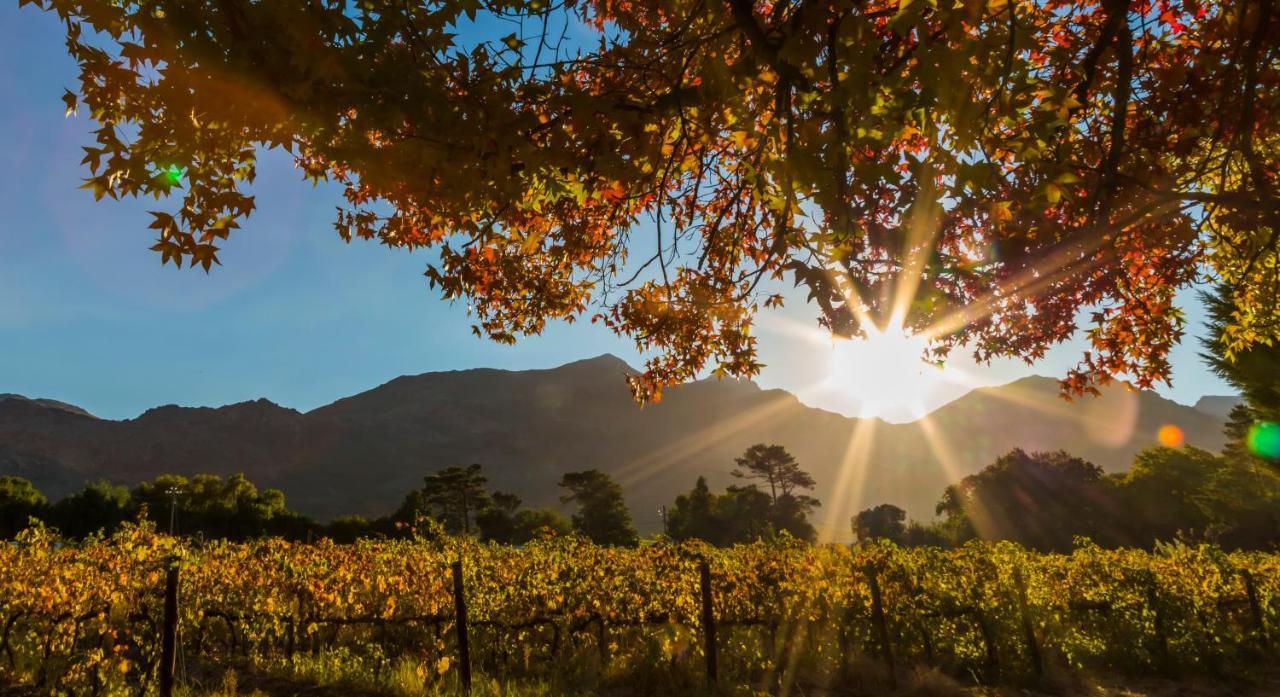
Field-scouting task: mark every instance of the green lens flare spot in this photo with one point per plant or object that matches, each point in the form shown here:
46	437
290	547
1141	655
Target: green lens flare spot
1264	440
174	173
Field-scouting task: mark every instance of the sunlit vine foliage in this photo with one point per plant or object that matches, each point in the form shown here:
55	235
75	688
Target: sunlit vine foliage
80	619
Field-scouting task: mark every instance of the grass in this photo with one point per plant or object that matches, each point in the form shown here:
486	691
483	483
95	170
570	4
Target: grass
403	679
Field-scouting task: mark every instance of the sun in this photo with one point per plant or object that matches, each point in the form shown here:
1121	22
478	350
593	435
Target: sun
884	374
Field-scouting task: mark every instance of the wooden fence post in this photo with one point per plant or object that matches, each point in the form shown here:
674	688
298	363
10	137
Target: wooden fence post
708	625
460	623
1162	641
1255	609
989	639
1028	628
882	627
169	632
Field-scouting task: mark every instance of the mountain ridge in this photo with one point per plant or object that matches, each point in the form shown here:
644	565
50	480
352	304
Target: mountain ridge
361	453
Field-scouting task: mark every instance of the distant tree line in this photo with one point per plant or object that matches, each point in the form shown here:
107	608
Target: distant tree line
453	500
212	506
1045	500
1040	500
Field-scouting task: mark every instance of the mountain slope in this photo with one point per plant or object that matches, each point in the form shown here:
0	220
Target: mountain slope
1218	405
362	453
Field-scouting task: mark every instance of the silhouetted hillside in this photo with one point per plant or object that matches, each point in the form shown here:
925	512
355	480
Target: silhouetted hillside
362	453
1218	405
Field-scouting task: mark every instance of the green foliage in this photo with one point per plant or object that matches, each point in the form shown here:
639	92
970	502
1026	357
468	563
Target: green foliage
739	515
209	505
98	507
1254	370
886	521
694	515
1040	500
1046	500
348	529
505	522
455	495
602	514
1194	494
19	502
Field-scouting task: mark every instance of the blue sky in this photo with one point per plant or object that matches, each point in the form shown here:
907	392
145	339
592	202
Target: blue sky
89	316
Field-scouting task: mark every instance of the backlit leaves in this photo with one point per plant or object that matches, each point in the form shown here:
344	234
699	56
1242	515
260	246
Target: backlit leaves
1026	160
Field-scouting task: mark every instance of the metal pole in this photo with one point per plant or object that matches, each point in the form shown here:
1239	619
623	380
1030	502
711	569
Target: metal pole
173	492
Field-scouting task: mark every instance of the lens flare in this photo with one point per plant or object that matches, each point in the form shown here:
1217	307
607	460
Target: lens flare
1170	436
1264	440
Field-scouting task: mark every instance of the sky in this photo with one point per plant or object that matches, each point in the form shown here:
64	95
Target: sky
89	316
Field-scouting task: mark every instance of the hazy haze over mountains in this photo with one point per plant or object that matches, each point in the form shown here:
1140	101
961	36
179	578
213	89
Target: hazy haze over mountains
362	453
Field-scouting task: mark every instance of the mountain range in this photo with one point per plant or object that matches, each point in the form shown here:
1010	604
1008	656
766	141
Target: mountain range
361	454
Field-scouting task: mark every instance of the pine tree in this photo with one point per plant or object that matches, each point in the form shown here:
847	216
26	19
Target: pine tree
456	495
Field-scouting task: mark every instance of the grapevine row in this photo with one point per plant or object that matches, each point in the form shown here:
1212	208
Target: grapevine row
87	618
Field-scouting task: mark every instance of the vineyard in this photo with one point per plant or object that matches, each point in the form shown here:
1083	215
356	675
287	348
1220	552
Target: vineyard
89	618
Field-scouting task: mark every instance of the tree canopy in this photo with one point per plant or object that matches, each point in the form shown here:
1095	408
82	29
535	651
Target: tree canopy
456	495
773	465
981	170
1045	500
747	513
1036	499
1253	427
20	501
885	521
602	514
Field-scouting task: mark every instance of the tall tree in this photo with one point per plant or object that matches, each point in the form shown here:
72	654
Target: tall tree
693	515
773	465
456	495
602	514
741	514
980	171
885	521
497	521
1197	495
1250	367
1253	368
1040	500
745	514
20	501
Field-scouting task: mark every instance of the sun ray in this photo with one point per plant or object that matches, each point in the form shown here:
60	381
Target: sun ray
1024	284
657	461
850	479
922	233
1056	408
941	449
1080	257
